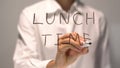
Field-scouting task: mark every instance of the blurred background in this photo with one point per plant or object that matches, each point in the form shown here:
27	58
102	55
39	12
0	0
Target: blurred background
9	15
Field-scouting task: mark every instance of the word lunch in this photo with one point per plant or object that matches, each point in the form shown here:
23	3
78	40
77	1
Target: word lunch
88	17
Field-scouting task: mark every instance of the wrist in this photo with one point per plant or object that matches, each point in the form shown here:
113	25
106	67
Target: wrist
52	64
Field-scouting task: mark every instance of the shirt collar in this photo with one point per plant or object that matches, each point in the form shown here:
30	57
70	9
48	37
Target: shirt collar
53	7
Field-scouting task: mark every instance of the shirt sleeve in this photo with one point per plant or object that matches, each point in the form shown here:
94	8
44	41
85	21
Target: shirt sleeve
28	53
103	48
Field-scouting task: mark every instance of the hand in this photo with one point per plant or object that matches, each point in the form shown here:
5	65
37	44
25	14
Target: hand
69	49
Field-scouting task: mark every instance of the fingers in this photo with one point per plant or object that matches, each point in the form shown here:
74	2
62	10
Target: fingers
74	42
85	50
65	36
72	36
64	47
72	51
70	41
81	52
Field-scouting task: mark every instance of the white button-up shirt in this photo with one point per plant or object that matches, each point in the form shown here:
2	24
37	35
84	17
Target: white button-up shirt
41	24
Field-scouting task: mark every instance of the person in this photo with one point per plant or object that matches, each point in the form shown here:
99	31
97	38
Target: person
53	33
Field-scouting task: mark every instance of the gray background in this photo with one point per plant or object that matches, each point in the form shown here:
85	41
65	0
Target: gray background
9	14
